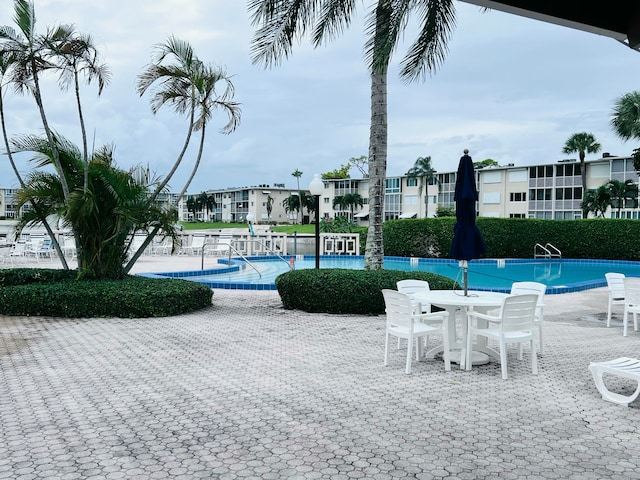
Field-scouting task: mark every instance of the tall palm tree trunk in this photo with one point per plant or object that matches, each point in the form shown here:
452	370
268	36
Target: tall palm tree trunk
374	251
47	227
85	150
47	130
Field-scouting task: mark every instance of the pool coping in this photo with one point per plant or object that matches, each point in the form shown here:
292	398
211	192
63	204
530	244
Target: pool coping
236	264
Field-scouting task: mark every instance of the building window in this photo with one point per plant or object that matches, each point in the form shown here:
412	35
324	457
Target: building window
412	182
517	215
392	185
411	200
541	171
518	196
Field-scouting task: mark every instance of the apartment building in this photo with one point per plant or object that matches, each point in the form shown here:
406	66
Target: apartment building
550	191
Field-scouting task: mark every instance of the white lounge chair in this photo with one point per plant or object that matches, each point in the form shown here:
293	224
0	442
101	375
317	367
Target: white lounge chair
621	367
195	248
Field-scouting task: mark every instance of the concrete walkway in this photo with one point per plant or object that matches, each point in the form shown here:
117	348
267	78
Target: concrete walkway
247	390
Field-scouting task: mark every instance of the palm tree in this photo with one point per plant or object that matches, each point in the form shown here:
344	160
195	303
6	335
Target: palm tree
426	174
105	218
6	63
31	54
596	201
269	206
348	200
626	116
582	143
77	55
189	87
621	192
292	204
297	173
625	121
340	202
281	22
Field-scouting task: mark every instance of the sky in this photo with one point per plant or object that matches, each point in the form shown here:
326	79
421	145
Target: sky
511	89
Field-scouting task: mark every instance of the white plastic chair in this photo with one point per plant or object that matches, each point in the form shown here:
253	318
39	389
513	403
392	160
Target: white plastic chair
521	288
411	286
403	322
631	302
513	324
615	282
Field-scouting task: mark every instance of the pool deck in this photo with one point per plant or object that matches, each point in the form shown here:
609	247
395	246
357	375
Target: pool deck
247	390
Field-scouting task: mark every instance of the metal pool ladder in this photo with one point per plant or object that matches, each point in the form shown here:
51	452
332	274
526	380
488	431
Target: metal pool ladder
546	251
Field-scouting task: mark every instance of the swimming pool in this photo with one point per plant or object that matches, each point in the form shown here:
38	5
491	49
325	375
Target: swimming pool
560	275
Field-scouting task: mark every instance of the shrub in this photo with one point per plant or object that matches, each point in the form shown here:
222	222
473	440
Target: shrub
336	290
57	293
611	239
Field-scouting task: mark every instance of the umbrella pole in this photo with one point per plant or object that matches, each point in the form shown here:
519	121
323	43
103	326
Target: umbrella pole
465	276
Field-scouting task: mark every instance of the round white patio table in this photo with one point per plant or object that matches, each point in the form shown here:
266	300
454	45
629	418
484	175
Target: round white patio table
452	301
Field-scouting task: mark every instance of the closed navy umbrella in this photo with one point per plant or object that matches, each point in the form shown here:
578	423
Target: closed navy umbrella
467	239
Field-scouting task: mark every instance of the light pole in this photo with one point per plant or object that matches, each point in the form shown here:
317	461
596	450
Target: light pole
315	188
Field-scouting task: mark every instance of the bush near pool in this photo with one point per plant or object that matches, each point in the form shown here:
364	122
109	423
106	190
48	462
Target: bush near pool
339	290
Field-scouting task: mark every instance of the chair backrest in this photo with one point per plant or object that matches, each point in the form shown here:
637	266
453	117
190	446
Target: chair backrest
398	308
18	248
197	241
615	282
518	312
521	288
632	290
410	286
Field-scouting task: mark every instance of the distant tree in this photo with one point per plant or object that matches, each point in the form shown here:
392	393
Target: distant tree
191	205
308	202
211	204
291	204
362	164
485	163
348	201
339	173
297	173
596	201
445	212
582	143
424	172
269	206
620	193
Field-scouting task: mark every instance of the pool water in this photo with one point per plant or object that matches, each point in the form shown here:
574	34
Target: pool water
560	275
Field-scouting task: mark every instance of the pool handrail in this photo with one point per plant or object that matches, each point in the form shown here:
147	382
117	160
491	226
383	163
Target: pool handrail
231	247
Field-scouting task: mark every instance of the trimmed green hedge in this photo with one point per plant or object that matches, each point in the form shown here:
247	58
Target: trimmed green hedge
57	293
336	290
608	239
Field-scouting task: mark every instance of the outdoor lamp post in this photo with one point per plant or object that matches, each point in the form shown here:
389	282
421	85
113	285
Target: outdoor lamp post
315	188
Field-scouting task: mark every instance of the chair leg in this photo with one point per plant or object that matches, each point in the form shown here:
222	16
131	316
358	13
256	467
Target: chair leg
503	359
445	344
386	350
624	322
407	369
540	343
609	314
635	322
534	357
